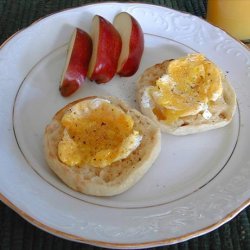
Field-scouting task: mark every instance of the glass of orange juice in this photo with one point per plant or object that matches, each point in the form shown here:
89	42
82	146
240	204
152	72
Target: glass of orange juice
232	16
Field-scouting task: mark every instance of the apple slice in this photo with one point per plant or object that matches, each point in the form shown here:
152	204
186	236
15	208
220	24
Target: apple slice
132	43
78	58
106	50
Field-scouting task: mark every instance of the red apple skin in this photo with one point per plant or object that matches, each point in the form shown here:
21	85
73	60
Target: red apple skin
108	52
77	69
136	48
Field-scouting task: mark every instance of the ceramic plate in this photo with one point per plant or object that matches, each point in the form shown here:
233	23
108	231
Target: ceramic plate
198	181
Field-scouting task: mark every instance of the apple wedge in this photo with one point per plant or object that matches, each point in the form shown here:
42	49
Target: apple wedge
132	43
77	63
106	50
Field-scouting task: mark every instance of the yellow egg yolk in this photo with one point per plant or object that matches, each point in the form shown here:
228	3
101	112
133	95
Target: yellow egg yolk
190	84
96	133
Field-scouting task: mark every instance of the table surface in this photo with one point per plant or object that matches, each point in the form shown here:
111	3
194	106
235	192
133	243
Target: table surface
15	232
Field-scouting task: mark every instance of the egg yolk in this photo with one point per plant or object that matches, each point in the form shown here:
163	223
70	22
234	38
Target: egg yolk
96	133
189	86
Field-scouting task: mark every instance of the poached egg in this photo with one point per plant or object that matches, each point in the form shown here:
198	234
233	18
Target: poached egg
190	85
96	133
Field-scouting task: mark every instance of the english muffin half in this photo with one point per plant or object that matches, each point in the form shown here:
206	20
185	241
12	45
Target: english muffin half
187	95
99	153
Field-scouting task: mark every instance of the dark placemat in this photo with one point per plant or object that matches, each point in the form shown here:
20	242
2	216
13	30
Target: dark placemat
15	232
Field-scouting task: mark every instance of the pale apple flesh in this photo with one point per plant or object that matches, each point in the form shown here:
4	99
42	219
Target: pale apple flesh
76	66
106	50
132	44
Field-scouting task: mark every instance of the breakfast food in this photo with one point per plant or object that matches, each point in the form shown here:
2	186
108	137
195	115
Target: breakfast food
111	49
99	146
132	43
187	95
76	67
107	46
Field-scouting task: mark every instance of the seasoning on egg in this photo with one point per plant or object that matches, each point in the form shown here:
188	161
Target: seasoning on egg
187	88
96	133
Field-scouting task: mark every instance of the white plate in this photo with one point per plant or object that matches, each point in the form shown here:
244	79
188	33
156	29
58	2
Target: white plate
197	183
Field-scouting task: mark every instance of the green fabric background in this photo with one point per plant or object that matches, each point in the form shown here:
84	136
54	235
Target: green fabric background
15	232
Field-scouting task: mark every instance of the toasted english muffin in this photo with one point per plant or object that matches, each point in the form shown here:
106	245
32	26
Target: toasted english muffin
119	175
222	110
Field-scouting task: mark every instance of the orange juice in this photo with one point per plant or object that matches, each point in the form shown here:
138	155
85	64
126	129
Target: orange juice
232	16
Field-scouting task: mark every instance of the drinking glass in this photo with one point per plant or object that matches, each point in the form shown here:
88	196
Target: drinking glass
233	16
